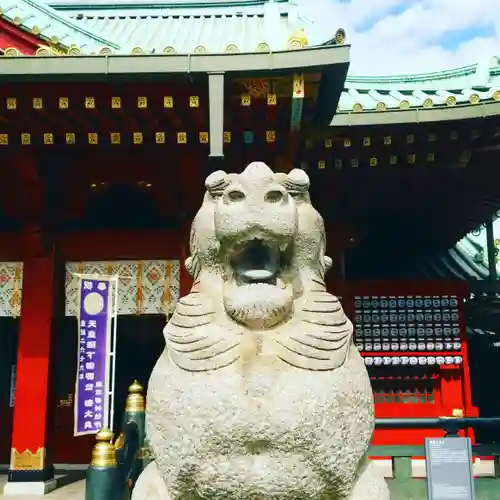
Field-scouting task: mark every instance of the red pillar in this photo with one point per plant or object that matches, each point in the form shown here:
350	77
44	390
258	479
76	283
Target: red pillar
31	468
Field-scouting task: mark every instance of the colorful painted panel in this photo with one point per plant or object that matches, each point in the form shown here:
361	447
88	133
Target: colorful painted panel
11	281
145	287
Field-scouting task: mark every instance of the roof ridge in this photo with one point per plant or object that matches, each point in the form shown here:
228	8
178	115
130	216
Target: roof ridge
174	5
467	70
68	22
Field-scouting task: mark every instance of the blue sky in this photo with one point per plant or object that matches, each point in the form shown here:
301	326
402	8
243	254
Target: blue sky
409	36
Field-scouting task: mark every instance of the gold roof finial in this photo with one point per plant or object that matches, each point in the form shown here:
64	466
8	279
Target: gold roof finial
135	399
104	453
298	39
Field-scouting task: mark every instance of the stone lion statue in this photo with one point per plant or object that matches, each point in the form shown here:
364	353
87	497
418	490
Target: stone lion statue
259	393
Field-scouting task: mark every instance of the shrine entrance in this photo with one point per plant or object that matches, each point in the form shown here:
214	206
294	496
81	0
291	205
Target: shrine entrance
9	328
139	344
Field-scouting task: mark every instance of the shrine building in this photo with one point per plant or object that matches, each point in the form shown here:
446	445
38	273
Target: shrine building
112	115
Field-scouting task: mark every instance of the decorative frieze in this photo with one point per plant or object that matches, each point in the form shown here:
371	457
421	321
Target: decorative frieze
144	287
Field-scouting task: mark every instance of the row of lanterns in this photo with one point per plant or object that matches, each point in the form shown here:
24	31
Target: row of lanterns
412	360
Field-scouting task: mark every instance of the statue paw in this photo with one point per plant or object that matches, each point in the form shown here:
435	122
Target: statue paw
150	485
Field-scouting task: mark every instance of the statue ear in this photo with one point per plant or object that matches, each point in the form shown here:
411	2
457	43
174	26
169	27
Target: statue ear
328	262
216	182
299	177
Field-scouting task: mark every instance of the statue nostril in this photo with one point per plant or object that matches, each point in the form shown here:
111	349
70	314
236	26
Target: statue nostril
274	196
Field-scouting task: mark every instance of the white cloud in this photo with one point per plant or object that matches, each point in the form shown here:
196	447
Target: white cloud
406	36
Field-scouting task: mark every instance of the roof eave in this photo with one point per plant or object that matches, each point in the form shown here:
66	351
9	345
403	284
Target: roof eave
309	59
422	115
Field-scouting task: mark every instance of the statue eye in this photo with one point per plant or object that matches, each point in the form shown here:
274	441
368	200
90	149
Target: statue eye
274	196
235	195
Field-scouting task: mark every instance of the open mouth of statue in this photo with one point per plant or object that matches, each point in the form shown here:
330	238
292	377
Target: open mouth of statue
257	261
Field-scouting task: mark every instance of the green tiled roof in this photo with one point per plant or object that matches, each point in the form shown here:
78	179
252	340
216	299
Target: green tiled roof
471	84
187	27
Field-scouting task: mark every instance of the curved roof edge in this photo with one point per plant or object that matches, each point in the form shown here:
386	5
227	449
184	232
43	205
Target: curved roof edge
434	96
37	18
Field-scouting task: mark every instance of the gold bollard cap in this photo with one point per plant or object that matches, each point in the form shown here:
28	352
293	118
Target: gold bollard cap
135	399
104	453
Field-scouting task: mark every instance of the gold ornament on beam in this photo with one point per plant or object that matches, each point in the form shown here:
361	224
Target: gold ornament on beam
115	138
93	138
142	102
11	103
328	143
387	140
373	162
347	143
89	102
181	138
4	139
367	141
116	102
25	139
411	158
194	101
428	103
321	164
168	101
404	104
272	99
48	138
246	100
137	137
203	137
37	103
160	137
63	102
357	108
70	138
496	95
227	137
381	106
270	136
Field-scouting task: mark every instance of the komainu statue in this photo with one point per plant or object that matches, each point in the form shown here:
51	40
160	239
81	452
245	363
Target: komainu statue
260	392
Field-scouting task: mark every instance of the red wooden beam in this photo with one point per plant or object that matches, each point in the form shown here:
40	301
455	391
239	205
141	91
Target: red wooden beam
13	36
119	245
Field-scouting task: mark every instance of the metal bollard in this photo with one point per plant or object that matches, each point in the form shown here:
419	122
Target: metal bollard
103	478
135	413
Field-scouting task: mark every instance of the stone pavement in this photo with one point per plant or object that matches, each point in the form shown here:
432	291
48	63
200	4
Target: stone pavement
73	491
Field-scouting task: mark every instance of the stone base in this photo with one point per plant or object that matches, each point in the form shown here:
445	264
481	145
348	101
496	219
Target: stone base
39	488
